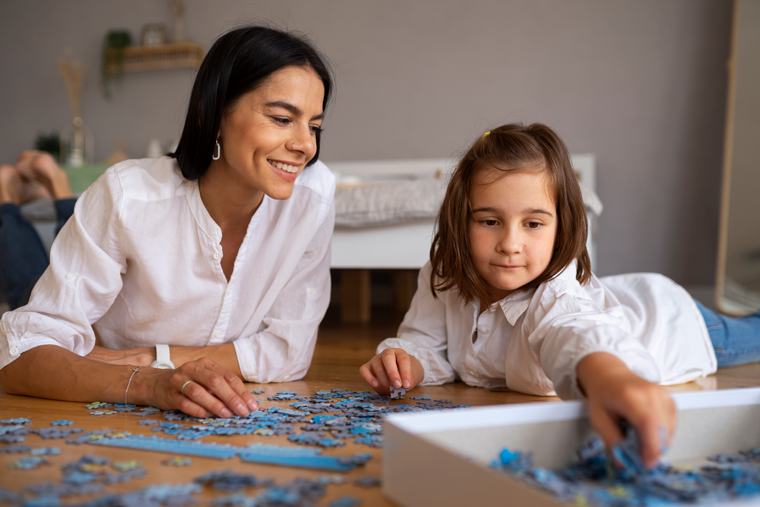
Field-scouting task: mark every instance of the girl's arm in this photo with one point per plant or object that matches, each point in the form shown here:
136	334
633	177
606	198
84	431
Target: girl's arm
419	354
614	393
50	371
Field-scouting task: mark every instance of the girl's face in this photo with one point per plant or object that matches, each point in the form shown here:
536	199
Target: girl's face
270	133
512	227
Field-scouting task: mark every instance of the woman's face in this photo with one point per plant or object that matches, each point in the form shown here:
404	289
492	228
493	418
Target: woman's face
269	135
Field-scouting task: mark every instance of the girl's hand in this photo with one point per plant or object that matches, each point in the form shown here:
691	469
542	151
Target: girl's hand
392	367
199	388
136	357
614	392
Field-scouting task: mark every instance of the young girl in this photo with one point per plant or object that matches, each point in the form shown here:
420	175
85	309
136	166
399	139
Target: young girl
508	299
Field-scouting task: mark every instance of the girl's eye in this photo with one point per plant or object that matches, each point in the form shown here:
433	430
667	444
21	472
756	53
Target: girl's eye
281	121
489	223
533	225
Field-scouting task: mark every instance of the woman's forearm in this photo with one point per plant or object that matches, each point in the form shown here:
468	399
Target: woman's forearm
197	387
224	355
49	371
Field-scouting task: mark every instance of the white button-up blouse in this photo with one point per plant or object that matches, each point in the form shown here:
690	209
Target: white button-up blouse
139	263
532	340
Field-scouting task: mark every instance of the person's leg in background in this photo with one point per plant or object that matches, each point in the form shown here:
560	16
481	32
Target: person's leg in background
736	340
36	166
22	255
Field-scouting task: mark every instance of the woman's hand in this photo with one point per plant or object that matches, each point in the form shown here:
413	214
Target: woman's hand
198	388
614	392
392	367
137	357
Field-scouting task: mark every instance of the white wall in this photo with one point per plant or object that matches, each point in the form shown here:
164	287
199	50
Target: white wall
640	83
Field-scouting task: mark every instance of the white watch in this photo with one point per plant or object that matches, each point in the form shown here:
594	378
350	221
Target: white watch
162	358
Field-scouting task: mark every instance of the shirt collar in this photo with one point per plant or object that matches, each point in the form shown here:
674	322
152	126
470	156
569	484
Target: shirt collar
518	302
199	211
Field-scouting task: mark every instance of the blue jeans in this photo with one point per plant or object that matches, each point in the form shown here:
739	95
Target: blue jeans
22	255
735	340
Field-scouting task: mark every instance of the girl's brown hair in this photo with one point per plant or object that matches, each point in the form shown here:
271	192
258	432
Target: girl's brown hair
509	148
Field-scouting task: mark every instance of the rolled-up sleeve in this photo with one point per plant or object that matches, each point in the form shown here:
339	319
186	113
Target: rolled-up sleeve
423	333
562	327
282	351
81	283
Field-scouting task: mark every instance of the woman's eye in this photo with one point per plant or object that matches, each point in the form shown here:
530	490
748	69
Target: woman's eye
316	129
533	225
281	121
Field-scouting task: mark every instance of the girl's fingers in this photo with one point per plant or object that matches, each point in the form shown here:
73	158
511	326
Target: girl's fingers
391	369
405	367
655	426
606	425
365	372
378	370
649	433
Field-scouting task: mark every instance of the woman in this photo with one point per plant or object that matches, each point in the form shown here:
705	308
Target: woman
222	252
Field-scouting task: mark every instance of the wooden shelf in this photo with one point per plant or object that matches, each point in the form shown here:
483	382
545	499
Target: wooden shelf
164	56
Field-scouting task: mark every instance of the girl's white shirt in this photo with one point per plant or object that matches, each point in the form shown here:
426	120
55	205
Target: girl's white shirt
532	340
139	263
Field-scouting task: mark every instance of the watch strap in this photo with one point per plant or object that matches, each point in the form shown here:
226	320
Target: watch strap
163	359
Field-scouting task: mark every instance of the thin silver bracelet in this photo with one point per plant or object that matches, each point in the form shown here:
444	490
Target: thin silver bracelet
128	383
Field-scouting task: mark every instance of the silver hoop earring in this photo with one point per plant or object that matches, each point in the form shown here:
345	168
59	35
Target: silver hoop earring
218	151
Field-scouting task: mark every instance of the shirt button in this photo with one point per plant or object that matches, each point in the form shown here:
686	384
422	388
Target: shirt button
218	334
71	276
312	291
216	256
14	351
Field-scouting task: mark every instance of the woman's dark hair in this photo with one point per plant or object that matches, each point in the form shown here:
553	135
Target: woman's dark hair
509	148
237	63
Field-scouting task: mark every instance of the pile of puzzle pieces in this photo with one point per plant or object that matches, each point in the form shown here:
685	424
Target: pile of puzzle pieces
594	480
326	419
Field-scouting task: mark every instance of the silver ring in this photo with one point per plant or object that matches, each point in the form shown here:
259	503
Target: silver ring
291	145
183	387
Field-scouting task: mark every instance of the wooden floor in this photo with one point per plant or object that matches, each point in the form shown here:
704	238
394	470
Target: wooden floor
341	349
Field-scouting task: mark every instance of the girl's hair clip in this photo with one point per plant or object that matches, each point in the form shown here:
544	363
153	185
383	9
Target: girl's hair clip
484	135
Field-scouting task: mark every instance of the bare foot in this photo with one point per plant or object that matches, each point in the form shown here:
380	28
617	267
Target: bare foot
40	166
10	185
14	189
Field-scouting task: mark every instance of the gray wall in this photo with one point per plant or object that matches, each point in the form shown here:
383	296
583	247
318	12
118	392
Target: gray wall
640	83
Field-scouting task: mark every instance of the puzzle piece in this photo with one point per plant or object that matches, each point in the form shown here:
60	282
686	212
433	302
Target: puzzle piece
177	462
97	404
226	480
368	481
397	394
28	463
19	449
18	420
46	451
346	501
53	433
62	423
